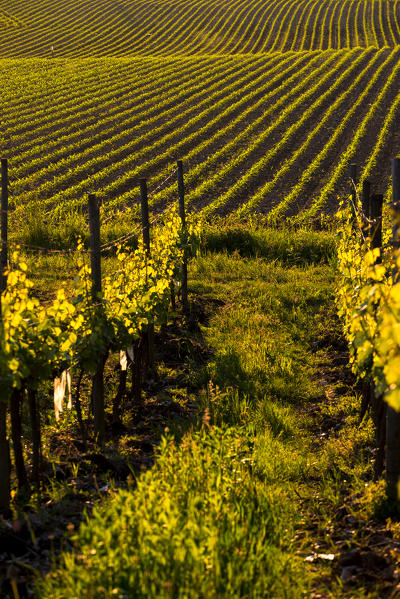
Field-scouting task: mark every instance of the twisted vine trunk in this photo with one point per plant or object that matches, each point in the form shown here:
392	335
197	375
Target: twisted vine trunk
36	434
78	408
137	370
4	461
119	395
98	401
379	417
16	435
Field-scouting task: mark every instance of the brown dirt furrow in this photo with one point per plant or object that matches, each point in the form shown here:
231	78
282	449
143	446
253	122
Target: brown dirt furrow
325	19
353	24
366	145
269	18
309	16
198	36
252	42
375	8
381	174
284	154
359	25
71	111
190	18
113	126
274	39
385	21
219	144
244	26
209	34
164	146
75	31
40	37
334	26
145	127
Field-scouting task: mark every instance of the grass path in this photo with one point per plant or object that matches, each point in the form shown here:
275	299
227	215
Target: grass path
275	474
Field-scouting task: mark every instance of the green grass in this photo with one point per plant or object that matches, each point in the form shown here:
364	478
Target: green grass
302	246
232	508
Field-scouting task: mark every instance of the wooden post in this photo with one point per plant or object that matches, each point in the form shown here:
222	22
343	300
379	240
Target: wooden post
144	205
393	416
353	177
4	444
173	299
4	460
378	405
17	396
137	371
34	416
95	262
182	214
95	255
396	206
375	214
4	223
365	204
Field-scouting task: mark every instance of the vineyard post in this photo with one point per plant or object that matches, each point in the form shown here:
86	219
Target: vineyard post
365	204
378	404
353	191
16	435
181	193
4	222
173	301
34	416
144	205
393	416
95	263
4	460
368	388
375	214
4	444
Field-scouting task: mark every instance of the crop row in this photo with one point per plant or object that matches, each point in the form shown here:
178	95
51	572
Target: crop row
272	134
130	125
64	28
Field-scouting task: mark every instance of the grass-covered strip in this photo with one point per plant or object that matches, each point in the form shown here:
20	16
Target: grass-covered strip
196	526
103	27
226	509
295	248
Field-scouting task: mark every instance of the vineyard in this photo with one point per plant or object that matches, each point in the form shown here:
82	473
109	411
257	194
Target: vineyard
186	208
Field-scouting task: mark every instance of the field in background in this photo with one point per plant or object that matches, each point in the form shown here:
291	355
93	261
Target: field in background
272	134
78	29
267	103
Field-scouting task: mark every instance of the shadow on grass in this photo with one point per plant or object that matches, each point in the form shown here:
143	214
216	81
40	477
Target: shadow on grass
286	246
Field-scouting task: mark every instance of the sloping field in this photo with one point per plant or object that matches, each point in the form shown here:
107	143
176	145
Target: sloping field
273	134
120	27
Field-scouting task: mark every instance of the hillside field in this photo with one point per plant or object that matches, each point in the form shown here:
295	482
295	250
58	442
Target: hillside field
168	27
265	128
272	134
